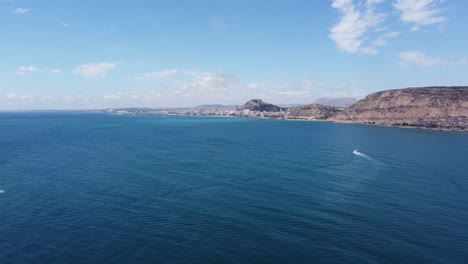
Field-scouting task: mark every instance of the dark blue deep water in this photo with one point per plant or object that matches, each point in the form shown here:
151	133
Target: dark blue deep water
89	188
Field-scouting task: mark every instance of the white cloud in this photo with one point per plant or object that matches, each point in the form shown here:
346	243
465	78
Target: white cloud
13	101
287	93
208	83
197	73
213	87
99	69
156	74
23	70
420	59
130	98
381	41
420	12
393	34
416	58
64	24
253	85
373	2
20	11
358	23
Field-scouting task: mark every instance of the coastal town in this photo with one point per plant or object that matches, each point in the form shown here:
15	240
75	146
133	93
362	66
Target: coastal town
255	108
443	108
199	112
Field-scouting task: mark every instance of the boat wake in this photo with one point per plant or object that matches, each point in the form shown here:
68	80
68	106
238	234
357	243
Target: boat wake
360	154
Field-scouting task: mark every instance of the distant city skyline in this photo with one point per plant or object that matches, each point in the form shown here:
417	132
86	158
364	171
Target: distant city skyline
108	54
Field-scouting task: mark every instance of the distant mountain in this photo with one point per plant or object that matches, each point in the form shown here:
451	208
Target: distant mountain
434	107
336	102
311	111
288	105
259	105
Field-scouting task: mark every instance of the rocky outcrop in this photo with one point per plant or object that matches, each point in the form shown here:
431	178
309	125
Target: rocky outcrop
260	106
311	112
442	107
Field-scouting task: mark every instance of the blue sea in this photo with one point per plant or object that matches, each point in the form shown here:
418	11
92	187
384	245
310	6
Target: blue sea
95	188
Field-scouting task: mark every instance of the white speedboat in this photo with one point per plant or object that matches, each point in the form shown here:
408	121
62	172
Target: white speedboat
356	152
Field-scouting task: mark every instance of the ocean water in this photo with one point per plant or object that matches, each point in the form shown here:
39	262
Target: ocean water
91	188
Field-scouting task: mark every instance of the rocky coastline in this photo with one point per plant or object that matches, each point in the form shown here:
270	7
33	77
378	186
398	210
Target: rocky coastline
437	108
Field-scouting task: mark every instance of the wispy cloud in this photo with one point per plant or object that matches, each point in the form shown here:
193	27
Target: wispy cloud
131	98
373	47
206	83
23	70
420	12
355	31
156	74
64	24
361	28
193	88
16	101
20	11
254	85
420	59
99	69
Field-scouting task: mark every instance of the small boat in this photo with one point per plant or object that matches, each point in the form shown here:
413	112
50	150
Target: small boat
356	152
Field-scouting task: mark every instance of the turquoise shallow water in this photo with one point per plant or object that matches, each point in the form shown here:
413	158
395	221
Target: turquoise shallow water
89	188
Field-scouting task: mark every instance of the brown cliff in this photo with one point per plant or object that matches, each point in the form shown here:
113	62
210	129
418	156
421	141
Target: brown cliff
311	112
434	107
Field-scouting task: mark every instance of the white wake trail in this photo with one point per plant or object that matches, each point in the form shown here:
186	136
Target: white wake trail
367	157
363	155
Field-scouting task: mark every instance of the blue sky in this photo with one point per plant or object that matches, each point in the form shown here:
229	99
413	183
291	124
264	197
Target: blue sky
98	54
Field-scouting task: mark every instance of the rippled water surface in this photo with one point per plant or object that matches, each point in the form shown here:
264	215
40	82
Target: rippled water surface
88	188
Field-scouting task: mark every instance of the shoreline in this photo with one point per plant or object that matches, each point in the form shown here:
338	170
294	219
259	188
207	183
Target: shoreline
405	127
357	123
325	120
446	129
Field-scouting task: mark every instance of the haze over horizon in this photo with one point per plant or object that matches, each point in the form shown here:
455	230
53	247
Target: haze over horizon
88	54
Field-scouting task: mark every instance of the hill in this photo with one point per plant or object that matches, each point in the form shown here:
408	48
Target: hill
311	112
434	107
259	105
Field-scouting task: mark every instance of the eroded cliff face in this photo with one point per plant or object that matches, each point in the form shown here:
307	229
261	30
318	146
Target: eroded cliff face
311	112
411	106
